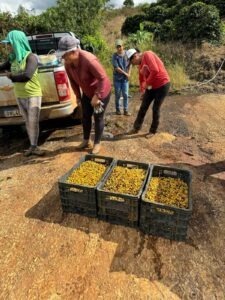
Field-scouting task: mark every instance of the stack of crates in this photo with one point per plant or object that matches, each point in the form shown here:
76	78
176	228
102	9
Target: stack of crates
81	199
120	208
154	218
165	220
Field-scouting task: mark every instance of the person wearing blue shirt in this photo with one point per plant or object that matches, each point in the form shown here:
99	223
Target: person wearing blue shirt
121	74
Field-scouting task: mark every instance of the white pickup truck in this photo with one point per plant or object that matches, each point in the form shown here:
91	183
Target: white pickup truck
58	99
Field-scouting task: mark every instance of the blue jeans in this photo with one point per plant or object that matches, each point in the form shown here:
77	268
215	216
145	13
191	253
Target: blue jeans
121	86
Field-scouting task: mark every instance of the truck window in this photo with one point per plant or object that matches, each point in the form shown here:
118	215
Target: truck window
43	46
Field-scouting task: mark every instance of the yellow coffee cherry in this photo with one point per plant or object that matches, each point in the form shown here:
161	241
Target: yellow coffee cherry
88	173
125	180
167	190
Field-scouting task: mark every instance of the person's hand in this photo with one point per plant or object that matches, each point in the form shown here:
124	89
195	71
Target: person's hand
142	96
98	109
95	101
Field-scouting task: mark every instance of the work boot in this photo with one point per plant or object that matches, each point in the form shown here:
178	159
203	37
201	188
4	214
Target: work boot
84	144
118	112
127	113
96	149
28	152
37	151
34	150
149	135
133	131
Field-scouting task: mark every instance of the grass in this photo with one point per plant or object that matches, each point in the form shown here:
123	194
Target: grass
174	55
178	76
175	68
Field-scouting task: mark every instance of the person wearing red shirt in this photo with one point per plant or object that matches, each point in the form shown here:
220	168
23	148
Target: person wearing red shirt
91	86
154	86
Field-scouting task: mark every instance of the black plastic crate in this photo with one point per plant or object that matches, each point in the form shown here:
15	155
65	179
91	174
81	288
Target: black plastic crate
81	199
119	208
164	220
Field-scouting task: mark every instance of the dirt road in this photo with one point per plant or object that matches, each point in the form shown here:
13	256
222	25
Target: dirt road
45	254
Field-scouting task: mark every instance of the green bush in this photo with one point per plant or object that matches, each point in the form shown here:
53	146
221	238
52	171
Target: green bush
167	31
189	2
157	14
93	43
135	40
151	27
220	4
132	24
168	3
198	22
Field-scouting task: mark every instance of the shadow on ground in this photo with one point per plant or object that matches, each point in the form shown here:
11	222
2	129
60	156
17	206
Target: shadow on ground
151	257
15	139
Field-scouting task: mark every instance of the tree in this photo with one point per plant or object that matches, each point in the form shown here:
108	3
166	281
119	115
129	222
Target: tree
168	3
157	13
198	22
219	4
81	16
128	3
132	24
6	21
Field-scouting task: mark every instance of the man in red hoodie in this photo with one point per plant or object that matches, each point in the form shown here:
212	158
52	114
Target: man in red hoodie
154	86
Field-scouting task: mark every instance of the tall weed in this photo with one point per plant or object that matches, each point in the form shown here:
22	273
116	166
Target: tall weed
178	76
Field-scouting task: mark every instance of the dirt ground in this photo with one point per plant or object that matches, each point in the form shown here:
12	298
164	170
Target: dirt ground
45	254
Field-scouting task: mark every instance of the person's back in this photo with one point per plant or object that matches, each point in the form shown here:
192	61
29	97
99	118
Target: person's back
89	75
153	70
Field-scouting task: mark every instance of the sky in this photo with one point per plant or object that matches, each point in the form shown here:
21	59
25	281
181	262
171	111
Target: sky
12	5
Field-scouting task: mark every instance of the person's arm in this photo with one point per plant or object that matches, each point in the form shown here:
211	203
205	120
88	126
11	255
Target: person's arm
150	63
5	66
142	82
119	70
74	85
27	74
129	69
117	67
99	73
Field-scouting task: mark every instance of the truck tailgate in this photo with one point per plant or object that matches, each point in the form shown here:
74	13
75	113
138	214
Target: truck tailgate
7	96
48	86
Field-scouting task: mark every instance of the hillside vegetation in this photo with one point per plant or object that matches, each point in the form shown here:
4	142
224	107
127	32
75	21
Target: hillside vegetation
188	35
189	64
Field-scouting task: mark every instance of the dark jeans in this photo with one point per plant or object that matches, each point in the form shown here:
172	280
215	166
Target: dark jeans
158	95
87	112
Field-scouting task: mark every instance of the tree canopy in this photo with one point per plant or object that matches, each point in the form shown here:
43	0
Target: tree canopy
185	20
80	16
